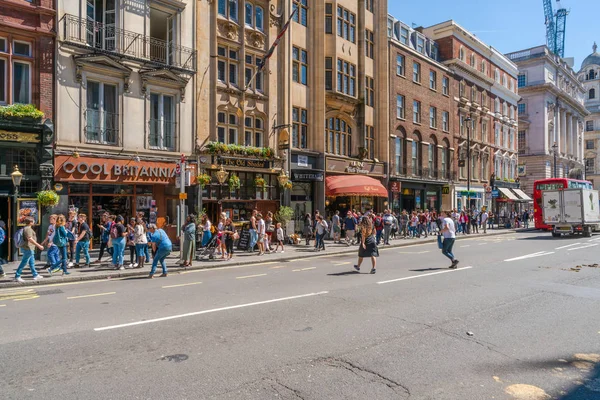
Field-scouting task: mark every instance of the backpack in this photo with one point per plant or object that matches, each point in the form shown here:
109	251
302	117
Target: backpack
213	230
59	239
2	235
18	238
113	231
377	222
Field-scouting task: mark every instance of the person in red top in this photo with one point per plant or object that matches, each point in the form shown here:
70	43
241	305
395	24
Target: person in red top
378	224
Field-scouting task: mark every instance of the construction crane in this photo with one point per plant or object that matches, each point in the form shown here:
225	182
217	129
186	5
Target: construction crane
555	27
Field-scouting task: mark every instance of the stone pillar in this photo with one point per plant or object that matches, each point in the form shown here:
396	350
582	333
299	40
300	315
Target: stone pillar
563	131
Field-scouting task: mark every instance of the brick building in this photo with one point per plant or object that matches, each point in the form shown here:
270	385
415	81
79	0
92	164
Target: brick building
421	121
27	31
484	93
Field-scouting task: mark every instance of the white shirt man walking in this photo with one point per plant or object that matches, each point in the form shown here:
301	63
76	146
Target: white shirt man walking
449	233
484	218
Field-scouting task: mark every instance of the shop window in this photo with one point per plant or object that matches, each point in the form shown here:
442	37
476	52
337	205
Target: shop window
299	128
101	114
162	122
338	136
254	132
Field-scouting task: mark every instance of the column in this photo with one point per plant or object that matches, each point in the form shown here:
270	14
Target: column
575	137
563	131
569	145
556	126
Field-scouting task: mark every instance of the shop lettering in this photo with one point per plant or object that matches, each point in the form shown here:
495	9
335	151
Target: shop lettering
118	170
356	167
236	162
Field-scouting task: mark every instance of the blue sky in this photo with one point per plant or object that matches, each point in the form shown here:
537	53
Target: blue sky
508	25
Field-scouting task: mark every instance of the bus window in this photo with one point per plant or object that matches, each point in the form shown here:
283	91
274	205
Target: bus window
579	185
549	186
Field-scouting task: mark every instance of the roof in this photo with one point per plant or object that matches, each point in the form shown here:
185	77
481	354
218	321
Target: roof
592	59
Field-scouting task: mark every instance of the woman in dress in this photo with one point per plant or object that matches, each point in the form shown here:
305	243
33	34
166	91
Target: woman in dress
189	241
368	245
220	228
206	233
269	229
307	229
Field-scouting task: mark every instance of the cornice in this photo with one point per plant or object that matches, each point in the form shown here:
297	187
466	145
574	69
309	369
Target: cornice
33	30
27	7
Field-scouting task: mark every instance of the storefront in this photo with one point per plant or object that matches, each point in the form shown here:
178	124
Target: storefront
259	187
411	196
94	186
465	199
354	185
308	179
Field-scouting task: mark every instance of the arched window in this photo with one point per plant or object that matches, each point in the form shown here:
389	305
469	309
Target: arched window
399	150
339	136
416	155
254	132
592	94
259	19
461	54
432	157
445	159
249	14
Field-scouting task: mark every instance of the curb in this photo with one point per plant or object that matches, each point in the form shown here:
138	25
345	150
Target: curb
174	269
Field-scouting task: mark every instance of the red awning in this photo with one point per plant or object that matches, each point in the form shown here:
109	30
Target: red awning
354	185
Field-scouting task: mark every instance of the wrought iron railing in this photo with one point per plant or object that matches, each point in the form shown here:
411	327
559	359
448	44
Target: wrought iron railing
101	127
110	39
425	173
162	134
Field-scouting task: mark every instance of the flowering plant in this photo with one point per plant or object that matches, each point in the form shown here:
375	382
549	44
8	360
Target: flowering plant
203	179
234	182
48	198
260	183
288	185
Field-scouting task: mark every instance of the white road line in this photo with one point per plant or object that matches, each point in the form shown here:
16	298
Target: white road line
149	321
91	295
342	263
595	239
303	269
423	275
583	247
467	245
569	245
225	268
411	252
250	276
183	284
538	254
2	305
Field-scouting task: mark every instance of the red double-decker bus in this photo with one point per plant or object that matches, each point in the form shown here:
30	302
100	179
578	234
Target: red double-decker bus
552	184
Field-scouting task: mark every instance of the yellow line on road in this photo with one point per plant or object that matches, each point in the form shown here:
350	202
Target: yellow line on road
250	276
27	298
183	284
90	295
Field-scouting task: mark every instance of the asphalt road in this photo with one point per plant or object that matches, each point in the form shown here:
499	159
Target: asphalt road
517	320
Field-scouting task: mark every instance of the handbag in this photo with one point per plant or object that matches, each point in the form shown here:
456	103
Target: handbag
440	242
236	236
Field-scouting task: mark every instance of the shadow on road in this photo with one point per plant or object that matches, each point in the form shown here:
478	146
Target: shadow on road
345	273
590	389
426	269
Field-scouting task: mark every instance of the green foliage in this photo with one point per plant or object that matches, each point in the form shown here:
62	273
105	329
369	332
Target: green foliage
284	215
203	179
20	111
234	182
235	149
48	198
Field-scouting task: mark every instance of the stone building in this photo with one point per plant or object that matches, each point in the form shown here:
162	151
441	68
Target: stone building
551	116
27	77
589	76
484	90
126	105
321	102
421	121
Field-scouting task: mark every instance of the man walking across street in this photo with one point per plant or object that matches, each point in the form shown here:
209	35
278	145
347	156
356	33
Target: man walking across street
28	244
336	227
449	233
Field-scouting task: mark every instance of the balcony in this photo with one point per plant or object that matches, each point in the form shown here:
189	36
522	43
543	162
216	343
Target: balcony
108	39
425	174
162	134
101	127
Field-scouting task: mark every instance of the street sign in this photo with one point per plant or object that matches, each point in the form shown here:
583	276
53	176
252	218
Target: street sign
495	193
178	168
182	196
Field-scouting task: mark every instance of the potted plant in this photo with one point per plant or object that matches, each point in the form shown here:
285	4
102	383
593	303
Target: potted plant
234	182
260	183
48	198
203	180
284	215
21	112
288	185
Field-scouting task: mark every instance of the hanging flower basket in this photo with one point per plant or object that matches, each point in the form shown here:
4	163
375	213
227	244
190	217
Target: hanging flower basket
234	182
288	185
48	198
203	180
260	183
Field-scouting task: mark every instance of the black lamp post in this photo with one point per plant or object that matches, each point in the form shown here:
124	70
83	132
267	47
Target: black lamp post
555	151
468	120
16	177
221	177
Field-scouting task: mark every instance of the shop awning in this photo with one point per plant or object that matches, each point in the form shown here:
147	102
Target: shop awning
522	195
354	185
508	194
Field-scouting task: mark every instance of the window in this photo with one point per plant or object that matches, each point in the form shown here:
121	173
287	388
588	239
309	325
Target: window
404	36
21	48
417	112
504	81
420	45
390	27
483	99
445	157
522	80
589	126
253	132
504	109
400	65
21	82
522	141
511	85
252	65
338	135
328	73
589	166
2	45
369	92
301	16
398	156
346	77
589	144
249	14
505	137
461	88
461	54
227	128
473	62
3	78
259	19
300	65
431	156
432	117
445	121
497	75
497	105
461	122
346	24
484	137
432	80
522	107
511	110
328	18
473	94
484	166
299	128
101	115
445	84
227	65
497	135
483	67
400	106
416	157
416	72
162	122
370	142
369	5
229	9
369	43
592	94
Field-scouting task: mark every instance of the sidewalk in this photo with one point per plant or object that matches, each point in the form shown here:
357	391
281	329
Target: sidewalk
104	271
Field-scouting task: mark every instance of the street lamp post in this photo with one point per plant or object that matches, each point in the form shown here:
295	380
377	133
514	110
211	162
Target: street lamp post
221	177
555	151
16	177
468	120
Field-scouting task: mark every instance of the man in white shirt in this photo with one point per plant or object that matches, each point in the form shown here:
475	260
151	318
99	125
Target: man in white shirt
449	233
484	218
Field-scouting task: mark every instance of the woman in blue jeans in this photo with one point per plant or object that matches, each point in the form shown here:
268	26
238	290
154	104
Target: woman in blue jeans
61	241
163	247
117	235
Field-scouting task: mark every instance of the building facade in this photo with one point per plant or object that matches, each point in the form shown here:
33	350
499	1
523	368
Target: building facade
317	110
484	95
126	105
551	117
589	76
26	77
421	121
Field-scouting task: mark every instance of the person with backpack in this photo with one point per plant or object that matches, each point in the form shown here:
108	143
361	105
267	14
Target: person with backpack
53	254
73	228
60	240
26	240
163	247
82	240
2	240
117	237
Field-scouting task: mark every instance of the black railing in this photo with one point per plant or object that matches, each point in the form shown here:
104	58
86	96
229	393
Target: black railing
107	38
424	173
162	134
101	127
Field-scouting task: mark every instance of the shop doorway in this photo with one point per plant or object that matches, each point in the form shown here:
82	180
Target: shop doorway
5	209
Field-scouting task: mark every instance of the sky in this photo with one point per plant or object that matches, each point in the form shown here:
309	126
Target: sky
508	25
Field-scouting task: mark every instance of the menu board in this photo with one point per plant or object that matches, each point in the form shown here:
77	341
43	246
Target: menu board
28	208
244	241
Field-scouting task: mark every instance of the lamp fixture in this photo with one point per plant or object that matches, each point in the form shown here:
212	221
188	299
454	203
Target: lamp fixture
222	175
16	176
283	178
75	154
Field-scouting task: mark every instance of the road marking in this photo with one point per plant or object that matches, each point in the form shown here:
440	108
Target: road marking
482	244
4	305
583	247
467	245
249	276
423	275
183	284
91	295
303	269
538	254
28	298
411	252
225	268
594	240
279	266
569	245
342	263
149	321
